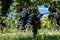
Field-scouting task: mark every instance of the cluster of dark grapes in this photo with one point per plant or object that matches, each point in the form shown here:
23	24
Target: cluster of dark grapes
29	17
54	10
23	14
5	6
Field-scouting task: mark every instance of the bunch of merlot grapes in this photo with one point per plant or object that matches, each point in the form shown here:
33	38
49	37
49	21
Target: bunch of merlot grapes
5	6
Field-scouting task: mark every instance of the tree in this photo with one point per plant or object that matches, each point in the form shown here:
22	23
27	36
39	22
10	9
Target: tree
35	3
51	4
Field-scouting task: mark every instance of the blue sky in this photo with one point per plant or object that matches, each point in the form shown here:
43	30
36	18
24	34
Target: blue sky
42	9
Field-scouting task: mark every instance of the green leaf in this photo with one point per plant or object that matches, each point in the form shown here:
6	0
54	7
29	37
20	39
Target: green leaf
40	2
46	5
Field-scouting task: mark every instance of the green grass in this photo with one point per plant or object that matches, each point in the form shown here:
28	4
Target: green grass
43	35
